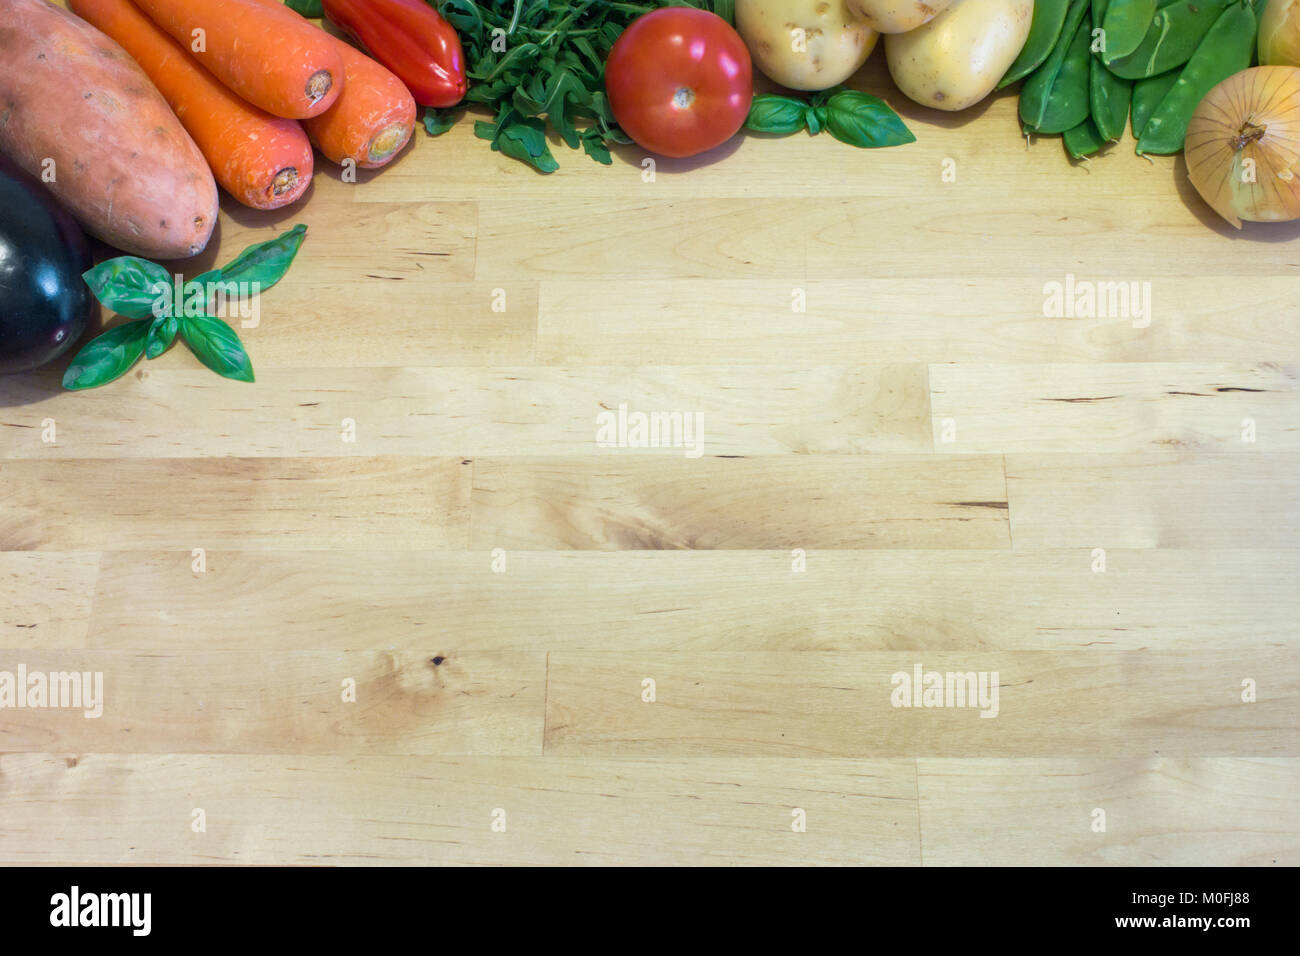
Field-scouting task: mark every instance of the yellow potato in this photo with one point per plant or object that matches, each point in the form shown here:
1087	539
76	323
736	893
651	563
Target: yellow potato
804	44
956	59
896	16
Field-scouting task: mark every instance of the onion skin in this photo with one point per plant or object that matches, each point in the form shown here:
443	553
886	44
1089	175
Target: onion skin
1254	116
1279	34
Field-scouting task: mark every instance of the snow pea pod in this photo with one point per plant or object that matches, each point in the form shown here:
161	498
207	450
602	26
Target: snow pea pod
1226	49
1176	31
1108	96
1126	23
1068	104
1037	91
1147	95
1044	30
1083	140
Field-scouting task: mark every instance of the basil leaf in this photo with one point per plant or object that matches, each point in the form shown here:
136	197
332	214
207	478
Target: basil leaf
308	8
131	286
779	115
108	356
437	122
265	263
815	117
217	345
162	332
864	121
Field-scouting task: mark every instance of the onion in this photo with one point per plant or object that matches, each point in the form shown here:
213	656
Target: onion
1279	34
1243	145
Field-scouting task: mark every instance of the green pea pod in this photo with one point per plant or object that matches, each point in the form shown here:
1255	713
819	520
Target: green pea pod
1108	96
1068	105
1147	95
1036	92
1226	49
1176	31
1083	140
1044	30
1126	24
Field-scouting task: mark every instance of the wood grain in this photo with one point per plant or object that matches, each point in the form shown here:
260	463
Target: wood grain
1159	811
628	501
808	318
1175	500
88	504
687	600
1139	407
481	411
367	810
842	705
910	456
373	701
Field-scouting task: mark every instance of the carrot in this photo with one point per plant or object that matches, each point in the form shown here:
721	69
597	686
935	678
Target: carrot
374	116
289	70
262	160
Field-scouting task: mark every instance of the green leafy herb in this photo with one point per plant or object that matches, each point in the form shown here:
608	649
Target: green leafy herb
864	121
308	8
539	65
266	263
162	332
122	284
130	286
109	356
215	344
852	117
778	115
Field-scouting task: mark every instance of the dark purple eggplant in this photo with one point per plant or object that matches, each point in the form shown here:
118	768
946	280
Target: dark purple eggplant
44	302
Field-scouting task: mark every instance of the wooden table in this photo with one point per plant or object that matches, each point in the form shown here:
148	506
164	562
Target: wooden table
905	463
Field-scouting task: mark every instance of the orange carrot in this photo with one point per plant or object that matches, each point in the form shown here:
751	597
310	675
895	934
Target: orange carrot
262	160
374	116
289	70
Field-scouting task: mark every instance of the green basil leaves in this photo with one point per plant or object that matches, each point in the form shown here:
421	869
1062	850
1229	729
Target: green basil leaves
852	117
143	291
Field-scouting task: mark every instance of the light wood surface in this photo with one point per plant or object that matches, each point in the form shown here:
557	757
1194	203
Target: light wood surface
921	468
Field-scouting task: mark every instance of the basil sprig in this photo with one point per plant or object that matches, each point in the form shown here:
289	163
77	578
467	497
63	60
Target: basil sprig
852	117
143	291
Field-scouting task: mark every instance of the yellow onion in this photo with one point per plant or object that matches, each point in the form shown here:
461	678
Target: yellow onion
1279	34
1243	146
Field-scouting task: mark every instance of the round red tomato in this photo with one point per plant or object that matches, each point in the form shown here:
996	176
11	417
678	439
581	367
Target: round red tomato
679	81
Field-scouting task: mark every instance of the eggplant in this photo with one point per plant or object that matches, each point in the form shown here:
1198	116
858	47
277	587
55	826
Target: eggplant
44	302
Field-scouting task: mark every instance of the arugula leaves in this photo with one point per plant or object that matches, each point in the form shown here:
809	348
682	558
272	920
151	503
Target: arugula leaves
143	291
852	117
540	66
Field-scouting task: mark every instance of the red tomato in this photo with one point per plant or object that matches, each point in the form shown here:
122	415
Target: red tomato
679	81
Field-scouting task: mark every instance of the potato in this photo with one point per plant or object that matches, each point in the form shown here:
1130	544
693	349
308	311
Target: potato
896	16
804	44
956	59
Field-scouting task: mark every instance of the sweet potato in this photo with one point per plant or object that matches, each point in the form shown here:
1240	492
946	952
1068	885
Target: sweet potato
78	113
